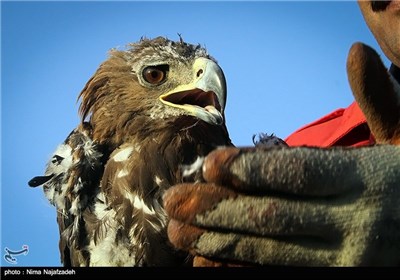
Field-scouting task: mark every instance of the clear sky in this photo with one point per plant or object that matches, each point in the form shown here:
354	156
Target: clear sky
284	63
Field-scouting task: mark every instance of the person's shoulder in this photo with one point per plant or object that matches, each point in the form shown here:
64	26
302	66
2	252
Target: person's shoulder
327	130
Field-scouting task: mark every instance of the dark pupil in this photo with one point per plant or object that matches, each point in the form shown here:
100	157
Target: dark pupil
154	74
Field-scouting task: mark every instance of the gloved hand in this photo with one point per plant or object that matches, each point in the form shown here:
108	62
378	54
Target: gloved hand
301	206
292	206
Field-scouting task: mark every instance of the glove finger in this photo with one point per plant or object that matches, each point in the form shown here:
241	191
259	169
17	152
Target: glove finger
205	207
375	92
182	235
184	201
200	261
250	249
298	170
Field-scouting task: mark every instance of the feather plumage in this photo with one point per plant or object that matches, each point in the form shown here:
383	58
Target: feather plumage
147	112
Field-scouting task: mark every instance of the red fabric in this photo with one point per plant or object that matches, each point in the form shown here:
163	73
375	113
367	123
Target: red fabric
343	127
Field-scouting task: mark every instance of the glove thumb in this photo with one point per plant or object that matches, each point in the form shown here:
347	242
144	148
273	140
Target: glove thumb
376	92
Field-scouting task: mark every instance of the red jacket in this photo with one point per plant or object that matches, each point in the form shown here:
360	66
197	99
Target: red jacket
343	127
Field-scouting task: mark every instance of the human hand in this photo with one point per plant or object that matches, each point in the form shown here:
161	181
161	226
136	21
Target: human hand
292	206
301	206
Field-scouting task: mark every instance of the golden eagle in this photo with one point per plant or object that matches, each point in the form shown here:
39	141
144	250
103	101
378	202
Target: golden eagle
149	115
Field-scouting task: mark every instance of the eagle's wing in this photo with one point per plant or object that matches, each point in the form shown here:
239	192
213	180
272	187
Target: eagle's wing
132	185
71	183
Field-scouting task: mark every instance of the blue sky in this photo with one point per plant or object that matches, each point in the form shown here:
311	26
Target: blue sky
284	63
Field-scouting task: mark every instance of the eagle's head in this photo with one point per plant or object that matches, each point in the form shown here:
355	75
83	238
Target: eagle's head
151	85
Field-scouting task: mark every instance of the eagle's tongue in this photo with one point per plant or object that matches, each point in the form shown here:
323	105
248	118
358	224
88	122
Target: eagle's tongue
215	113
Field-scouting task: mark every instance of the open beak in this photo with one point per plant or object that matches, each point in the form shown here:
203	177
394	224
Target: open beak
205	96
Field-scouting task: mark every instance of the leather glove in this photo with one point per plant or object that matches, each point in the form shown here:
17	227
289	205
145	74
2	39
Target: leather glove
301	206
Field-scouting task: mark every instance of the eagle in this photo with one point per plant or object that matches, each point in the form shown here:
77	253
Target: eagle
149	115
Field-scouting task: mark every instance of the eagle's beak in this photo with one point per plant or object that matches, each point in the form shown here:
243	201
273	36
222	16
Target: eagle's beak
205	96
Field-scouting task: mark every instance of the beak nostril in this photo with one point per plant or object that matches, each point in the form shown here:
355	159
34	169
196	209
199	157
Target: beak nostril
199	73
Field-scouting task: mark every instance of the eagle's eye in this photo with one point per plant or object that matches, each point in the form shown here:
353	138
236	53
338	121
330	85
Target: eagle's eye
155	75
